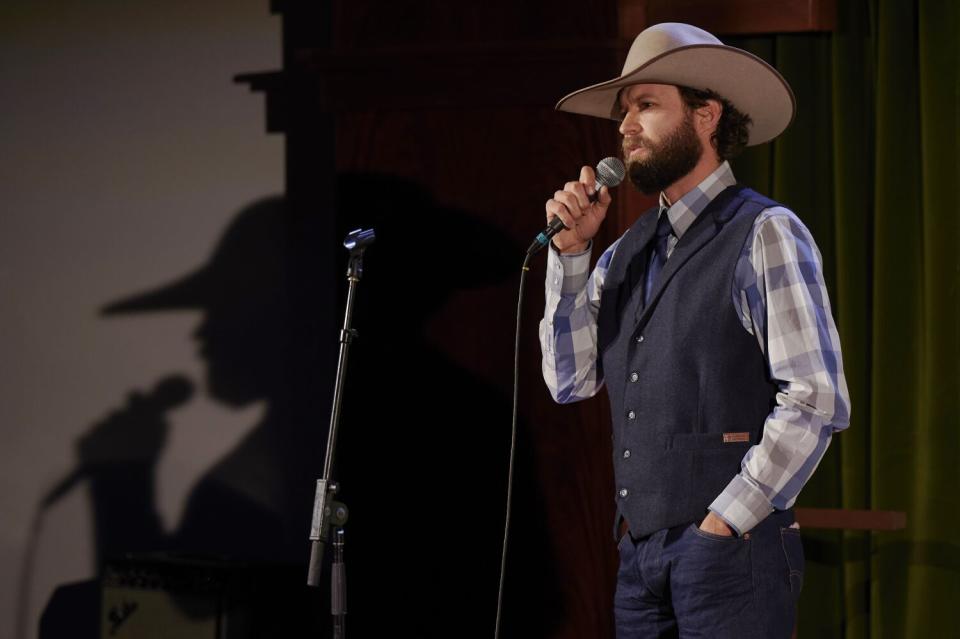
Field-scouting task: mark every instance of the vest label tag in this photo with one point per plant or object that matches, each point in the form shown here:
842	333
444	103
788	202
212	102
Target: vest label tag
730	438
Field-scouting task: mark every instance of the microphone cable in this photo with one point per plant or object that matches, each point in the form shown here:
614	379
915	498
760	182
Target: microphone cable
513	440
610	172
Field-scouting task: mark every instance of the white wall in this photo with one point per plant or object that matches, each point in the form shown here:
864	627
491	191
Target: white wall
125	149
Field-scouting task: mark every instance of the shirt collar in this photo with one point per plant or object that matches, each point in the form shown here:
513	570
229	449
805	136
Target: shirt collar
684	211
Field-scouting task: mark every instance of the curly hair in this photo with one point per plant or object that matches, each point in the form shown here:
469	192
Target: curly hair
732	133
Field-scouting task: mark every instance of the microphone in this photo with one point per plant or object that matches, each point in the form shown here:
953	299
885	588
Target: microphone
610	173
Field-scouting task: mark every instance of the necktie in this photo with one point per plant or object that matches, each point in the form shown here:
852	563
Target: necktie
658	256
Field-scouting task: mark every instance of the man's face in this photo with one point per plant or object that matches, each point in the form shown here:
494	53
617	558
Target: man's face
660	143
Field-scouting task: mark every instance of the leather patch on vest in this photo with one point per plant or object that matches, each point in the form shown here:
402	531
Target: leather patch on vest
731	438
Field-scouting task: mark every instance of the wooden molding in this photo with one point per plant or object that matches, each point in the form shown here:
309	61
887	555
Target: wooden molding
836	518
730	17
489	76
456	78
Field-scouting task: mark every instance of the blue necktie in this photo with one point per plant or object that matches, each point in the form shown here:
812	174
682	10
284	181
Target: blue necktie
658	256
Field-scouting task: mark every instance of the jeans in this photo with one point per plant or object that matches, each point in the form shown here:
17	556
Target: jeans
685	583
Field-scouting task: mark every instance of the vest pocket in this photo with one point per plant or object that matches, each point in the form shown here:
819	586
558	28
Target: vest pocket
703	441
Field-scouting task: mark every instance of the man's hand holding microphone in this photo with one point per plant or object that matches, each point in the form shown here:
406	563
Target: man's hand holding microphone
581	215
574	214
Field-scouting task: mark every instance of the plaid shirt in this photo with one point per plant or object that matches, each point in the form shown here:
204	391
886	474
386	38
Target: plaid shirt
780	298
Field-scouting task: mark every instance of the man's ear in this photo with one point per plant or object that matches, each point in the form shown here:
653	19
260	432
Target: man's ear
707	117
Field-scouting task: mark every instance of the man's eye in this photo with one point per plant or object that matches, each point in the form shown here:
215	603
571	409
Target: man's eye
641	106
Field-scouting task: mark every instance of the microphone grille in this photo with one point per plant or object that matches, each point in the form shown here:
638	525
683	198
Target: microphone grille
610	172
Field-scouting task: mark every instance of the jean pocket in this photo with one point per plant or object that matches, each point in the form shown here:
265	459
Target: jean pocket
793	551
719	559
715	537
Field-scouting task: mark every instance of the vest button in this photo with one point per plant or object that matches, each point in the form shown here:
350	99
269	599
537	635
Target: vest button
626	454
639	339
631	415
634	377
623	492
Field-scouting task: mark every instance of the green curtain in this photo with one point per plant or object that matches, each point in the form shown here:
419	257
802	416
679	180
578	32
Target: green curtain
870	164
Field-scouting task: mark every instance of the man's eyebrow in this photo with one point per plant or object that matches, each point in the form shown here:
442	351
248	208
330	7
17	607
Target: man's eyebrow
622	98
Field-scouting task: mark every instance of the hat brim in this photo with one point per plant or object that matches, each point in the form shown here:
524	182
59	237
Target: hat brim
190	292
750	84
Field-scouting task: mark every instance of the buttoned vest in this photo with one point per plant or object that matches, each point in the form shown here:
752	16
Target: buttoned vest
689	388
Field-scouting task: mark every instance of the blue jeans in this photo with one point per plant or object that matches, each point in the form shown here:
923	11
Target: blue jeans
684	583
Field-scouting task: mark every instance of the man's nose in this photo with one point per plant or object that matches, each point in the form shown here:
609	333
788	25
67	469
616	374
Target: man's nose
629	125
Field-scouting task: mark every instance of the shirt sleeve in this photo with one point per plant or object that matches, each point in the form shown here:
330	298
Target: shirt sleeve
568	331
781	297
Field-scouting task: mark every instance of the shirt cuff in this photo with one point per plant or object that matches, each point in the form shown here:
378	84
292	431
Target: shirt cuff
568	273
742	505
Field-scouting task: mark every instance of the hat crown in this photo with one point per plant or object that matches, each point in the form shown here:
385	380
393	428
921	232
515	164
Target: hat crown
662	38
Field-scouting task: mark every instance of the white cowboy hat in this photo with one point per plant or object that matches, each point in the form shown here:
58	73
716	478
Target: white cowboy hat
681	54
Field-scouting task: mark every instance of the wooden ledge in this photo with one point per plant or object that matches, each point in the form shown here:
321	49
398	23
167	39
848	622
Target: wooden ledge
841	519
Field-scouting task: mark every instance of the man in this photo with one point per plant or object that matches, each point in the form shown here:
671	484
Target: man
709	324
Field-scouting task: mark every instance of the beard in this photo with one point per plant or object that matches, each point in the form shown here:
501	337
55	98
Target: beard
667	161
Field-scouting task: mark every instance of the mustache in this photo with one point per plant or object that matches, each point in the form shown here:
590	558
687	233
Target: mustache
632	142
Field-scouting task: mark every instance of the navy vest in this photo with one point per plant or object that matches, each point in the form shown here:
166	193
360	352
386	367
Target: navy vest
689	388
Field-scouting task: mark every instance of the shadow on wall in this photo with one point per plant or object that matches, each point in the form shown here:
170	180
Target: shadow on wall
422	455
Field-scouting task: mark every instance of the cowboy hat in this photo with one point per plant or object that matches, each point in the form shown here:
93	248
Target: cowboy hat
683	55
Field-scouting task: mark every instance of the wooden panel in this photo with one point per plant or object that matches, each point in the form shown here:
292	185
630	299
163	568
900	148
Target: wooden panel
730	17
836	518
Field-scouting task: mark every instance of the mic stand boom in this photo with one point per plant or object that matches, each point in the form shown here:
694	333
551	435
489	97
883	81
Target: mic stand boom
326	511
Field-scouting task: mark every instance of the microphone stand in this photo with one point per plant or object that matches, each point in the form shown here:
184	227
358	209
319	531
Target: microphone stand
328	512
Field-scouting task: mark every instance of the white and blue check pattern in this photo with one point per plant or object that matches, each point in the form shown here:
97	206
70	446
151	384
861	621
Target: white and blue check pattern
781	299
